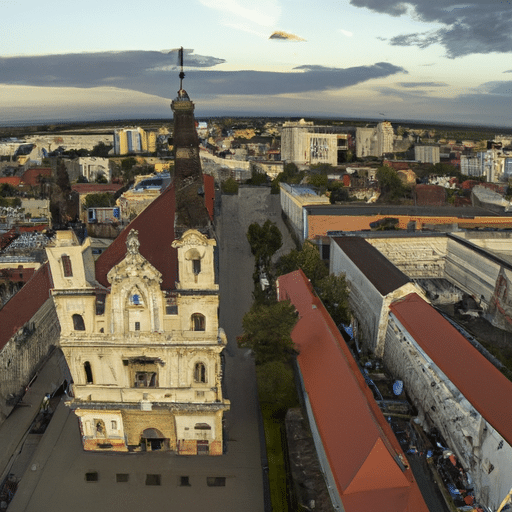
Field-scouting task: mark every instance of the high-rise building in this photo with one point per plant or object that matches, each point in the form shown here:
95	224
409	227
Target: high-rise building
133	140
304	143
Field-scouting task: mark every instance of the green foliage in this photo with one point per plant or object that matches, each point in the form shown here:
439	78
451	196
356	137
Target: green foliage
7	190
441	169
339	195
267	331
391	185
276	384
308	259
101	179
290	174
265	241
101	150
257	178
101	200
63	178
128	163
333	292
229	186
318	180
82	179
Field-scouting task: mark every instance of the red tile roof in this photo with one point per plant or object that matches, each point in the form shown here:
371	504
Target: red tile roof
155	225
360	445
11	180
30	175
209	193
483	385
88	188
25	304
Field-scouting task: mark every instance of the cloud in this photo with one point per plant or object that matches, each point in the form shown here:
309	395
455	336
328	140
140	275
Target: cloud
285	36
508	71
474	26
150	73
264	13
345	32
422	84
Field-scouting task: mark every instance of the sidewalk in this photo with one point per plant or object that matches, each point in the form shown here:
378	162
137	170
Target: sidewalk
14	429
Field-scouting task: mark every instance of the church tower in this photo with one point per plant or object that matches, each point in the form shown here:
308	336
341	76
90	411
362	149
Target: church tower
139	328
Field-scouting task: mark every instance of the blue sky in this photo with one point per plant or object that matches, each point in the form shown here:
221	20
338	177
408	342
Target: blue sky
437	60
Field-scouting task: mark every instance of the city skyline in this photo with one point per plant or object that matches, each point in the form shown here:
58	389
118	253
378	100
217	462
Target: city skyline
419	60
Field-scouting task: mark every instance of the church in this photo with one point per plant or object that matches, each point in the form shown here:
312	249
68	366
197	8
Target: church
139	326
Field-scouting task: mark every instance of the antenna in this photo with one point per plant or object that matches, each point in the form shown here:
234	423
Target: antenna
182	74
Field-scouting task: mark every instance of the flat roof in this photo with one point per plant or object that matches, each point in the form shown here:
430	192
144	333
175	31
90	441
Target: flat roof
395	210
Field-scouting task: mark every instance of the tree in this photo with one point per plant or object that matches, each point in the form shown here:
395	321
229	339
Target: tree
308	259
267	331
318	180
101	200
390	183
334	294
257	178
101	150
276	384
229	186
265	241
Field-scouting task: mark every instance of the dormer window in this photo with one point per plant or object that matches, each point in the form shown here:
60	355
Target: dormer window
135	299
66	266
196	266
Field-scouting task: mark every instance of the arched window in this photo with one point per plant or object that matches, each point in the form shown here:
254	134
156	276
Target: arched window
66	266
200	372
198	322
78	323
88	373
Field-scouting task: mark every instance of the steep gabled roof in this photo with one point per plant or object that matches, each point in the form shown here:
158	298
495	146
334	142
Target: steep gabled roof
383	274
361	448
483	385
25	304
155	225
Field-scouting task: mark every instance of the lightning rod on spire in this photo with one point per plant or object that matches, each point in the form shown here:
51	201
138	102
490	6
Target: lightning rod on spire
182	74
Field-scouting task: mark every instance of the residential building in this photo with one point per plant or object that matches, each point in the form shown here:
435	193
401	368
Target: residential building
427	154
376	141
134	140
91	168
303	143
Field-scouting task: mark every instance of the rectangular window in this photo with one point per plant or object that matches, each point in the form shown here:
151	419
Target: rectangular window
122	477
137	326
66	266
153	480
184	481
145	379
113	424
100	304
91	477
171	306
216	481
196	266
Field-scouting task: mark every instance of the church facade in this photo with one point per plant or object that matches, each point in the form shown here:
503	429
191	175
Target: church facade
139	327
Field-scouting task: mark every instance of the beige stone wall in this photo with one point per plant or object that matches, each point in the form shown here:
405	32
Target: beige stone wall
415	257
24	353
441	405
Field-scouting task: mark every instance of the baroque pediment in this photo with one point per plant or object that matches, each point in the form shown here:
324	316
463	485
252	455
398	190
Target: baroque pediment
191	237
134	265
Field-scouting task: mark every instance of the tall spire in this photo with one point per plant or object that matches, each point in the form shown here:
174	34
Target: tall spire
191	212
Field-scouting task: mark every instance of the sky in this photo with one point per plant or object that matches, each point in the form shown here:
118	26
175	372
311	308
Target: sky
426	60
